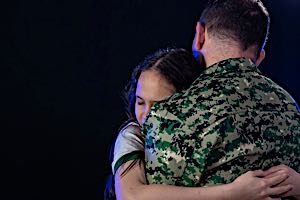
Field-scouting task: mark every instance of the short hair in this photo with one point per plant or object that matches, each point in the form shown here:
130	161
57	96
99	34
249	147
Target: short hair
244	21
176	65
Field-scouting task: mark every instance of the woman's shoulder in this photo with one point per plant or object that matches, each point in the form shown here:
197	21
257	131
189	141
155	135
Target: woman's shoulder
130	126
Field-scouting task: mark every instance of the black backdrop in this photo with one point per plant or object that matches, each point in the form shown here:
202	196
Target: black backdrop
63	68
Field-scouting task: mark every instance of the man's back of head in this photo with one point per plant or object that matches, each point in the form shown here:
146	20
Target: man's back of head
240	23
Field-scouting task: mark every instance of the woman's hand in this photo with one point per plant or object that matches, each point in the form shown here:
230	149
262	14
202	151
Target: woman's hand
293	179
253	186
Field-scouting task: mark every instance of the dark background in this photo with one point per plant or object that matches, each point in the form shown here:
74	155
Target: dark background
63	68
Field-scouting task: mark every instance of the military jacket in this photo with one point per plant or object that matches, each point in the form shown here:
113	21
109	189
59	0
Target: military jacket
231	120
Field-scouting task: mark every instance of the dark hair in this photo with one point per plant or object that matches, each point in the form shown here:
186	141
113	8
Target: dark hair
244	21
178	66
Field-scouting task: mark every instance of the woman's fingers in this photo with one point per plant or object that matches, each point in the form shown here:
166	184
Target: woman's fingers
275	173
280	177
274	169
279	190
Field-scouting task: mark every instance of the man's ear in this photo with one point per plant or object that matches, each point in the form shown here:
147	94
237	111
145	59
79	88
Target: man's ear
199	37
260	57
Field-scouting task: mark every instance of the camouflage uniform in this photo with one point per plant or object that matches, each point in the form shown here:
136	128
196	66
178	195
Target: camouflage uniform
232	119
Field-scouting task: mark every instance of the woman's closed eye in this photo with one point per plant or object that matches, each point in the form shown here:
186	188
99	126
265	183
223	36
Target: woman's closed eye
140	103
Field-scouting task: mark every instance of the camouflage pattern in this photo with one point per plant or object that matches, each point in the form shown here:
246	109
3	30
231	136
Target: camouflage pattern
232	119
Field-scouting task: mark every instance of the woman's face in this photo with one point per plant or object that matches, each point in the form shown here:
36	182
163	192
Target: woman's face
151	87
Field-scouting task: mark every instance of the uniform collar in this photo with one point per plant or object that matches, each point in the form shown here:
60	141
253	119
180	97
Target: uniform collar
231	65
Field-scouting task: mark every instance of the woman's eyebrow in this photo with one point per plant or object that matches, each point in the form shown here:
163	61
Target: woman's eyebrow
139	97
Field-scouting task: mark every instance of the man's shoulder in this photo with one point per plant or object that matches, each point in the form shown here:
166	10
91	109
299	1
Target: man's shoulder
268	95
229	91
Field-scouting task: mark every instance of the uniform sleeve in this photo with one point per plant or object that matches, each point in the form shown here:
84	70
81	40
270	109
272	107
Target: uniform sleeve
171	155
129	145
187	154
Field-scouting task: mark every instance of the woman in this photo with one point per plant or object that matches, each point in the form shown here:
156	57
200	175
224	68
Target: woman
158	77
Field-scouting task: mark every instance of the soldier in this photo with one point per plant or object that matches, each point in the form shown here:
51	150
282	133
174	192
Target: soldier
156	78
232	118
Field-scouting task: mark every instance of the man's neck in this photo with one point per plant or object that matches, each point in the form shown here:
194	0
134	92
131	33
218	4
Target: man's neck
214	53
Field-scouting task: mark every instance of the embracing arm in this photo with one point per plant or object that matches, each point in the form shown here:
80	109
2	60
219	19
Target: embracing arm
132	185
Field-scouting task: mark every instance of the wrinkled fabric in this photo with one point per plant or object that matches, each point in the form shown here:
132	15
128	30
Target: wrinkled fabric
231	120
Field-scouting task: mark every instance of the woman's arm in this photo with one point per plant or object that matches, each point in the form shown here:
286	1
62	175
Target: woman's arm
132	185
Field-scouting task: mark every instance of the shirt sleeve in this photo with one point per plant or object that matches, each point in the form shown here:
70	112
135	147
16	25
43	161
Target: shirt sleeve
129	145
